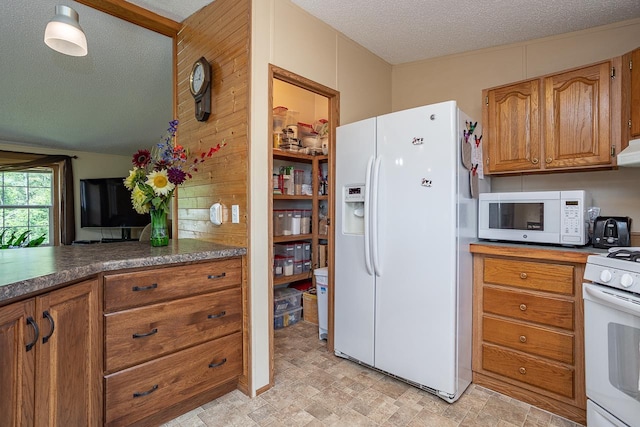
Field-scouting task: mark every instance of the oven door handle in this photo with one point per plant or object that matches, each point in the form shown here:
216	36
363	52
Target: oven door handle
610	298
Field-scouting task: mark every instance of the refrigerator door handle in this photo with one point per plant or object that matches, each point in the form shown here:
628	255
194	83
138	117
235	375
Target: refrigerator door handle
367	216
374	217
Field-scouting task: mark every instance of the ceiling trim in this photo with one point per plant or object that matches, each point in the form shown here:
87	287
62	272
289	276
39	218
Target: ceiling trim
136	15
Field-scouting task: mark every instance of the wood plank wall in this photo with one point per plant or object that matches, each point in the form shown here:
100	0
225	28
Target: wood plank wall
221	33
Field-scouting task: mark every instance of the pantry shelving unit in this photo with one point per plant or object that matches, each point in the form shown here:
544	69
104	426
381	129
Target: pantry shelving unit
313	202
325	104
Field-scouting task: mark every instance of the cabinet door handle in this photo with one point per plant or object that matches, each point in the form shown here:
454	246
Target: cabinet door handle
144	288
145	393
548	159
523	339
522	371
215	365
36	332
148	334
46	315
523	307
217	316
523	275
218	276
535	160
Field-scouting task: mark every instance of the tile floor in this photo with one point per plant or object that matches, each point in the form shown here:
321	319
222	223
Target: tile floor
315	388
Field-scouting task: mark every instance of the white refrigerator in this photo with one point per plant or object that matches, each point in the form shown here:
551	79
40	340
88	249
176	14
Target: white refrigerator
404	221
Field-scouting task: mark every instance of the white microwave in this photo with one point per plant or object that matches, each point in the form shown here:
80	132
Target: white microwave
555	217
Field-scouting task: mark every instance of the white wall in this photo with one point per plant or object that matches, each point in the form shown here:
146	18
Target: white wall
87	165
286	36
462	77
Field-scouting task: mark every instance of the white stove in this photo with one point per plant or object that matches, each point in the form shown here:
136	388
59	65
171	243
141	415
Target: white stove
619	269
612	338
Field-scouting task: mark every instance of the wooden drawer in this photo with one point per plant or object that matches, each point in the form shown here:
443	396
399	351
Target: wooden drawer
557	278
531	339
140	334
524	306
549	376
135	393
125	290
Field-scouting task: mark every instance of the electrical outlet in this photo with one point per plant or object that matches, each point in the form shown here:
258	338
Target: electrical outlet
235	214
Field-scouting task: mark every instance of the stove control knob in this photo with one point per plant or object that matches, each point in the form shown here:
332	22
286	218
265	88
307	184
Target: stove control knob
605	276
626	280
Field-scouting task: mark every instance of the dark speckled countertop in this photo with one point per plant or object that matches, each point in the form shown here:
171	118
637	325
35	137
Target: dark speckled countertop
29	271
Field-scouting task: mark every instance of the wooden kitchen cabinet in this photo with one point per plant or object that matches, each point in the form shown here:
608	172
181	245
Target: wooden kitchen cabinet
528	328
631	94
563	121
173	339
512	124
51	351
17	369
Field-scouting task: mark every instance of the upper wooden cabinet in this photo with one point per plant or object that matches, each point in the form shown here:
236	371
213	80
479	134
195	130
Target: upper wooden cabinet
563	121
631	94
512	123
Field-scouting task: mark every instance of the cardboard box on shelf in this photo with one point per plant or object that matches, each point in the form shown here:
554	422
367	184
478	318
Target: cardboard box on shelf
322	256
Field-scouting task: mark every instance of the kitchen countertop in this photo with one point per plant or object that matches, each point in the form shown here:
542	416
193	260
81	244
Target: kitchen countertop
529	250
29	271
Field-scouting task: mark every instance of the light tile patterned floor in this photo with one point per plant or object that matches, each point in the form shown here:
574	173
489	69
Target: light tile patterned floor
315	388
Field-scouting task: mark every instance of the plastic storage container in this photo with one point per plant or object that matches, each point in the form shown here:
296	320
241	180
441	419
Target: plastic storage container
306	251
287	318
288	216
305	222
298	252
282	266
285	299
296	220
285	249
298	267
279	218
279	264
322	290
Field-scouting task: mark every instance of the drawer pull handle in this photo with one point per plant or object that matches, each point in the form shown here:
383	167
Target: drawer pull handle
46	315
522	371
144	288
218	276
217	316
523	275
523	307
215	365
148	334
145	393
36	332
523	339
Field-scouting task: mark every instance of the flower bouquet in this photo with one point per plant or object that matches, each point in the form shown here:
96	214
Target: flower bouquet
154	178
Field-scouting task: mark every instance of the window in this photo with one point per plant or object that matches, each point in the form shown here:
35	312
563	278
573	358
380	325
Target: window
27	203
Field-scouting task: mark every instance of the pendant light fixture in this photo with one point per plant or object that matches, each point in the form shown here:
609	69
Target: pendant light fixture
64	34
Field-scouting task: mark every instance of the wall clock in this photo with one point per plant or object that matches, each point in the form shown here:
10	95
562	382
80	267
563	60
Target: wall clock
200	87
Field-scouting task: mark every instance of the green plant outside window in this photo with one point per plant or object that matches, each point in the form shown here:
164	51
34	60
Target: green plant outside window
26	201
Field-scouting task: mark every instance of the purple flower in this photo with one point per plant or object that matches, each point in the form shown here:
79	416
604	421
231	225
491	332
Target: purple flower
176	176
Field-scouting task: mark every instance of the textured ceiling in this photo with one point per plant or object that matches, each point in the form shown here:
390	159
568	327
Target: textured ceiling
118	98
410	30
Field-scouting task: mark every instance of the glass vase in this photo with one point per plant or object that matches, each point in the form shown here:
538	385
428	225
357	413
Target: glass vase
159	229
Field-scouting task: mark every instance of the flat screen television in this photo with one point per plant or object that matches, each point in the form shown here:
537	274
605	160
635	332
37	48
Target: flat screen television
105	202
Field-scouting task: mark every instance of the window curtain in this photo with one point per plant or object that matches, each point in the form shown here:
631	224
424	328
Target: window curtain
11	161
